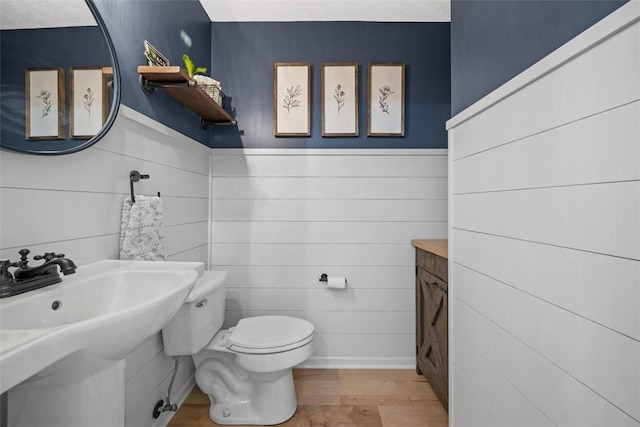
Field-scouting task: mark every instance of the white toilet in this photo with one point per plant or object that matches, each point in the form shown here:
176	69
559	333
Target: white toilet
245	370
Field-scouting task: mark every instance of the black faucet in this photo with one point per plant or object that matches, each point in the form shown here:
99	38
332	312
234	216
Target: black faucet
27	278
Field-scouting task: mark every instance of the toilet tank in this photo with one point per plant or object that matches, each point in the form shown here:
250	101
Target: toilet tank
199	318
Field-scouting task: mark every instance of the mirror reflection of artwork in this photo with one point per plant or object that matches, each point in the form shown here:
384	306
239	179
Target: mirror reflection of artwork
44	103
66	34
89	101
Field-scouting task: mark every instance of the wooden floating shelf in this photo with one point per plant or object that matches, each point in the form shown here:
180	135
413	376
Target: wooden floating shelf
177	84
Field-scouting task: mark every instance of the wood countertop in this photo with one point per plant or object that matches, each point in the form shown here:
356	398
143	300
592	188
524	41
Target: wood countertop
437	246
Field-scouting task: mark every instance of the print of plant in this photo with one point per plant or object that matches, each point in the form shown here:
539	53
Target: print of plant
45	95
385	92
291	100
88	100
339	97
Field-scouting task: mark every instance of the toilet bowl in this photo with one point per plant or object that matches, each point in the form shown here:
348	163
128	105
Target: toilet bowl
246	370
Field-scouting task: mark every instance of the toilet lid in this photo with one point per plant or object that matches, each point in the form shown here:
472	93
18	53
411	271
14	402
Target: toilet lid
269	332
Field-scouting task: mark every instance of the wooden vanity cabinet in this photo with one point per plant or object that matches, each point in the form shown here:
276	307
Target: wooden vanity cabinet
432	338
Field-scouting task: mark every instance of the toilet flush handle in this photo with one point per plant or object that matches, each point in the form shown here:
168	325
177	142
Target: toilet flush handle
201	303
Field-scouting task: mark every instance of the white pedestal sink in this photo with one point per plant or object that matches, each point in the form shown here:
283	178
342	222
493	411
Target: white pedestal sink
62	347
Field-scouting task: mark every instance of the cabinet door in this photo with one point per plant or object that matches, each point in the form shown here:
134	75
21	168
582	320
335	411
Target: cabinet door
432	333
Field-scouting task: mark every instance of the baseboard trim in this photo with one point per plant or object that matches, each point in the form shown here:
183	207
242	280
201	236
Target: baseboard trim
359	363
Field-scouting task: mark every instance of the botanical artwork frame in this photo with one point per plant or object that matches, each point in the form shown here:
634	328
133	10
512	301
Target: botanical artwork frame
339	99
89	101
386	99
292	99
44	103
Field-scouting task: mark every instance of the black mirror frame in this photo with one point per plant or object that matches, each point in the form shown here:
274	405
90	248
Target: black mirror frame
115	102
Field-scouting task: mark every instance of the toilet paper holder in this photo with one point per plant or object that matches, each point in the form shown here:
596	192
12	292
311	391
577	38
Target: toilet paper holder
325	278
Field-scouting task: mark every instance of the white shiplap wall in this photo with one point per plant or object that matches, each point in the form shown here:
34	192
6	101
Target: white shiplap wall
545	240
72	204
281	218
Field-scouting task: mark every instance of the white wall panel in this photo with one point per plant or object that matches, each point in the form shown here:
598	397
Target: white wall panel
281	276
280	219
181	210
324	232
609	140
557	394
336	165
199	253
563	338
329	188
335	254
364	346
335	210
601	288
478	411
545	239
34	216
182	237
515	409
340	322
582	217
320	299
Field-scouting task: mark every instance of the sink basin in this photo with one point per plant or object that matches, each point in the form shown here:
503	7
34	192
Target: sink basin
69	331
98	297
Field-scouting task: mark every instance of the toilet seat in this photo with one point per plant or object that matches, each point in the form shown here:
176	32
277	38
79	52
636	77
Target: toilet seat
269	334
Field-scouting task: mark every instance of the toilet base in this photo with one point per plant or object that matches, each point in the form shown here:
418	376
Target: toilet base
270	403
242	397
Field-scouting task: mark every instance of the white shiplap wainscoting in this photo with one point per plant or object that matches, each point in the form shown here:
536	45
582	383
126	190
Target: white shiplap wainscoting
72	204
544	247
281	218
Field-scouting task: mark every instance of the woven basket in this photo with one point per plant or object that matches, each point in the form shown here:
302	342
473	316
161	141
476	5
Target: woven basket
214	92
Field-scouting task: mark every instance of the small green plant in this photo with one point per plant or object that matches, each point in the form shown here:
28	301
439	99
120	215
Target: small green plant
191	67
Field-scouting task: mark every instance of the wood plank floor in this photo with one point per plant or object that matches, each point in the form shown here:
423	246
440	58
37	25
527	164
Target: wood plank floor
344	398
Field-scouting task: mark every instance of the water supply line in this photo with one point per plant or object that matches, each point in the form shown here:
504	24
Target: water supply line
166	405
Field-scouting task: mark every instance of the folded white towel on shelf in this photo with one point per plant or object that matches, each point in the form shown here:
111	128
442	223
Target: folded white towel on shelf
141	233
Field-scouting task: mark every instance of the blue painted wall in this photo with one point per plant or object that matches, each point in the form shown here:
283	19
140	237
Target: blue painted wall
243	55
42	48
493	41
161	22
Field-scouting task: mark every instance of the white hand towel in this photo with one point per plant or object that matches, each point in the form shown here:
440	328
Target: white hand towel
141	233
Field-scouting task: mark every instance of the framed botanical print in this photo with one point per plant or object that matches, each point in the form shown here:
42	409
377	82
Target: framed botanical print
386	99
291	99
339	99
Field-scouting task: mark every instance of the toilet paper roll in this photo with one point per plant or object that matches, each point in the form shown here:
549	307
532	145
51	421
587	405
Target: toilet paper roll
336	282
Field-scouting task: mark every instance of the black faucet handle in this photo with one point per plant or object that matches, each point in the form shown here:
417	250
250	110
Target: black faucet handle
23	256
48	256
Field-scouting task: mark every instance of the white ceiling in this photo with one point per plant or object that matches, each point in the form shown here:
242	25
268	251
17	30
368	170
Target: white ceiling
15	14
328	10
18	14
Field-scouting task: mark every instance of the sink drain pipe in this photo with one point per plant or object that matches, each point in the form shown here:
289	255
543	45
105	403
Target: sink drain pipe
162	406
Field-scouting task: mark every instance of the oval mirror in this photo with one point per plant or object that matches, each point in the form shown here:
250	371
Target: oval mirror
60	86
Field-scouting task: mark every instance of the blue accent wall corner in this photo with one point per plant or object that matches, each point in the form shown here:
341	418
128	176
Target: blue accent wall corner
493	41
